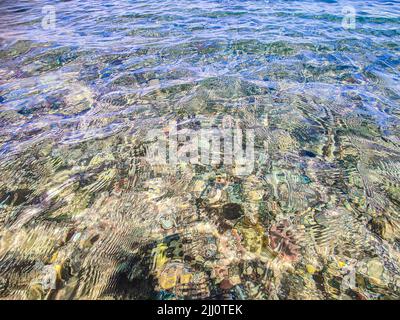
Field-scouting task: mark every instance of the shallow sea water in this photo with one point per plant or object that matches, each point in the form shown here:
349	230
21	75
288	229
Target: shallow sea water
84	214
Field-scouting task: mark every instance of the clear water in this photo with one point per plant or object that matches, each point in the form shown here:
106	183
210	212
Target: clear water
84	215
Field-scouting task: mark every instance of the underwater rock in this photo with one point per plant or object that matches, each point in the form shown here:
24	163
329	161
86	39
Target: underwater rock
282	240
307	153
226	284
167	221
232	211
374	270
174	276
50	274
252	236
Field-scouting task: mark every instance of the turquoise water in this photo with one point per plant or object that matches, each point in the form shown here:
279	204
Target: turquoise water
84	213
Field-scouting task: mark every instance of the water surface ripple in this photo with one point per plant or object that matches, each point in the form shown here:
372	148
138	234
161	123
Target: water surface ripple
84	215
